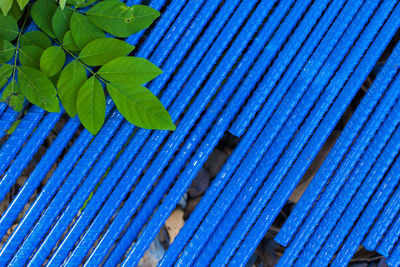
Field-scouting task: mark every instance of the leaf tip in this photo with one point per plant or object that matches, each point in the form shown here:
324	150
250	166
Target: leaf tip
55	107
171	127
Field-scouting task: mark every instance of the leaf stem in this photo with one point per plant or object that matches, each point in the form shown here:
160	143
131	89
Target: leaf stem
76	58
17	47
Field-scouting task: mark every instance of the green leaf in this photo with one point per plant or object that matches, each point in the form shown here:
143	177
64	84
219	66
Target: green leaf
5	73
102	50
52	60
140	107
83	3
5	6
129	70
12	96
36	38
54	79
91	105
11	88
116	18
71	79
62	3
83	31
15	12
8	28
17	102
69	43
13	126
72	2
38	89
60	21
22	3
80	3
7	51
42	14
30	56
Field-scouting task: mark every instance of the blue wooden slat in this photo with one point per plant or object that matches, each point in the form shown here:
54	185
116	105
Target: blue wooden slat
350	132
338	151
185	44
358	232
200	73
394	258
84	139
81	194
13	144
311	70
235	183
46	247
214	221
203	208
284	164
367	160
178	53
391	238
232	216
8	117
120	117
384	221
323	130
37	175
163	24
313	243
185	176
67	189
174	141
89	184
221	125
342	226
27	152
3	106
173	34
45	196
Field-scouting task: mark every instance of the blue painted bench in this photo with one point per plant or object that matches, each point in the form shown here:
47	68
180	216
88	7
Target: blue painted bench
277	74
